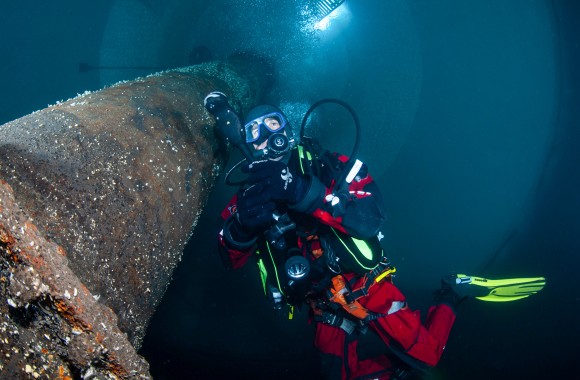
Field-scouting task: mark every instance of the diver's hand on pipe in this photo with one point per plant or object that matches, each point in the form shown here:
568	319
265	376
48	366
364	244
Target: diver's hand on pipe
215	101
227	120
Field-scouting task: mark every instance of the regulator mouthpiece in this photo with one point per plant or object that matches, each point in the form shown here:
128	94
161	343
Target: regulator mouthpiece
278	144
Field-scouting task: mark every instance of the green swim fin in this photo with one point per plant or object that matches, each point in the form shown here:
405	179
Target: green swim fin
503	290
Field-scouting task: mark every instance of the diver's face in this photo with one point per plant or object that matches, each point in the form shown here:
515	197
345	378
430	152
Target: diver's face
272	124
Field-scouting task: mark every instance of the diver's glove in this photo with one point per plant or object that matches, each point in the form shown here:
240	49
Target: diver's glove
279	182
236	236
451	292
215	102
228	122
255	207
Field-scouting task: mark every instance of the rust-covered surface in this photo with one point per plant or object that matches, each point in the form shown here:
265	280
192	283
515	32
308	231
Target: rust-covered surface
98	196
52	326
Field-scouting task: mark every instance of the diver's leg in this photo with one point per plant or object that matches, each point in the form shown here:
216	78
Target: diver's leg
339	358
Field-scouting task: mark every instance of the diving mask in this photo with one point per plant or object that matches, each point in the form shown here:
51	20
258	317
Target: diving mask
260	128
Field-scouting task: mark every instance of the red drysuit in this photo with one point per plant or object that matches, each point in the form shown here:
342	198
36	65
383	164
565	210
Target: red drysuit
319	230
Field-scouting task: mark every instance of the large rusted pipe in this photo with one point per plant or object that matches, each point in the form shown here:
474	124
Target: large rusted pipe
98	196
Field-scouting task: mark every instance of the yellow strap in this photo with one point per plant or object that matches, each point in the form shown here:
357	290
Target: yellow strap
386	273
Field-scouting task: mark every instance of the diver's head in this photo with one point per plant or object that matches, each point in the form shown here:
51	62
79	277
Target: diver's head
267	132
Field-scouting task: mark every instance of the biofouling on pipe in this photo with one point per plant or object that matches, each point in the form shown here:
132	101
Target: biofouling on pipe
98	196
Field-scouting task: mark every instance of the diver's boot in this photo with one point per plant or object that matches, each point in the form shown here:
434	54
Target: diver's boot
451	293
457	287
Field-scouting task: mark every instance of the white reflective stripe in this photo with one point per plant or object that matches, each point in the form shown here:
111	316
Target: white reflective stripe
354	171
396	306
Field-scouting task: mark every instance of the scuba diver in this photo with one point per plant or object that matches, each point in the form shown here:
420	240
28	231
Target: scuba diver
311	219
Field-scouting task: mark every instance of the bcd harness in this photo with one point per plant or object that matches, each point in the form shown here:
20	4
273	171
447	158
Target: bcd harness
340	307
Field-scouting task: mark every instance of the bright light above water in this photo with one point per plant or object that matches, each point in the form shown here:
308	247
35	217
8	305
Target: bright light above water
329	26
340	13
